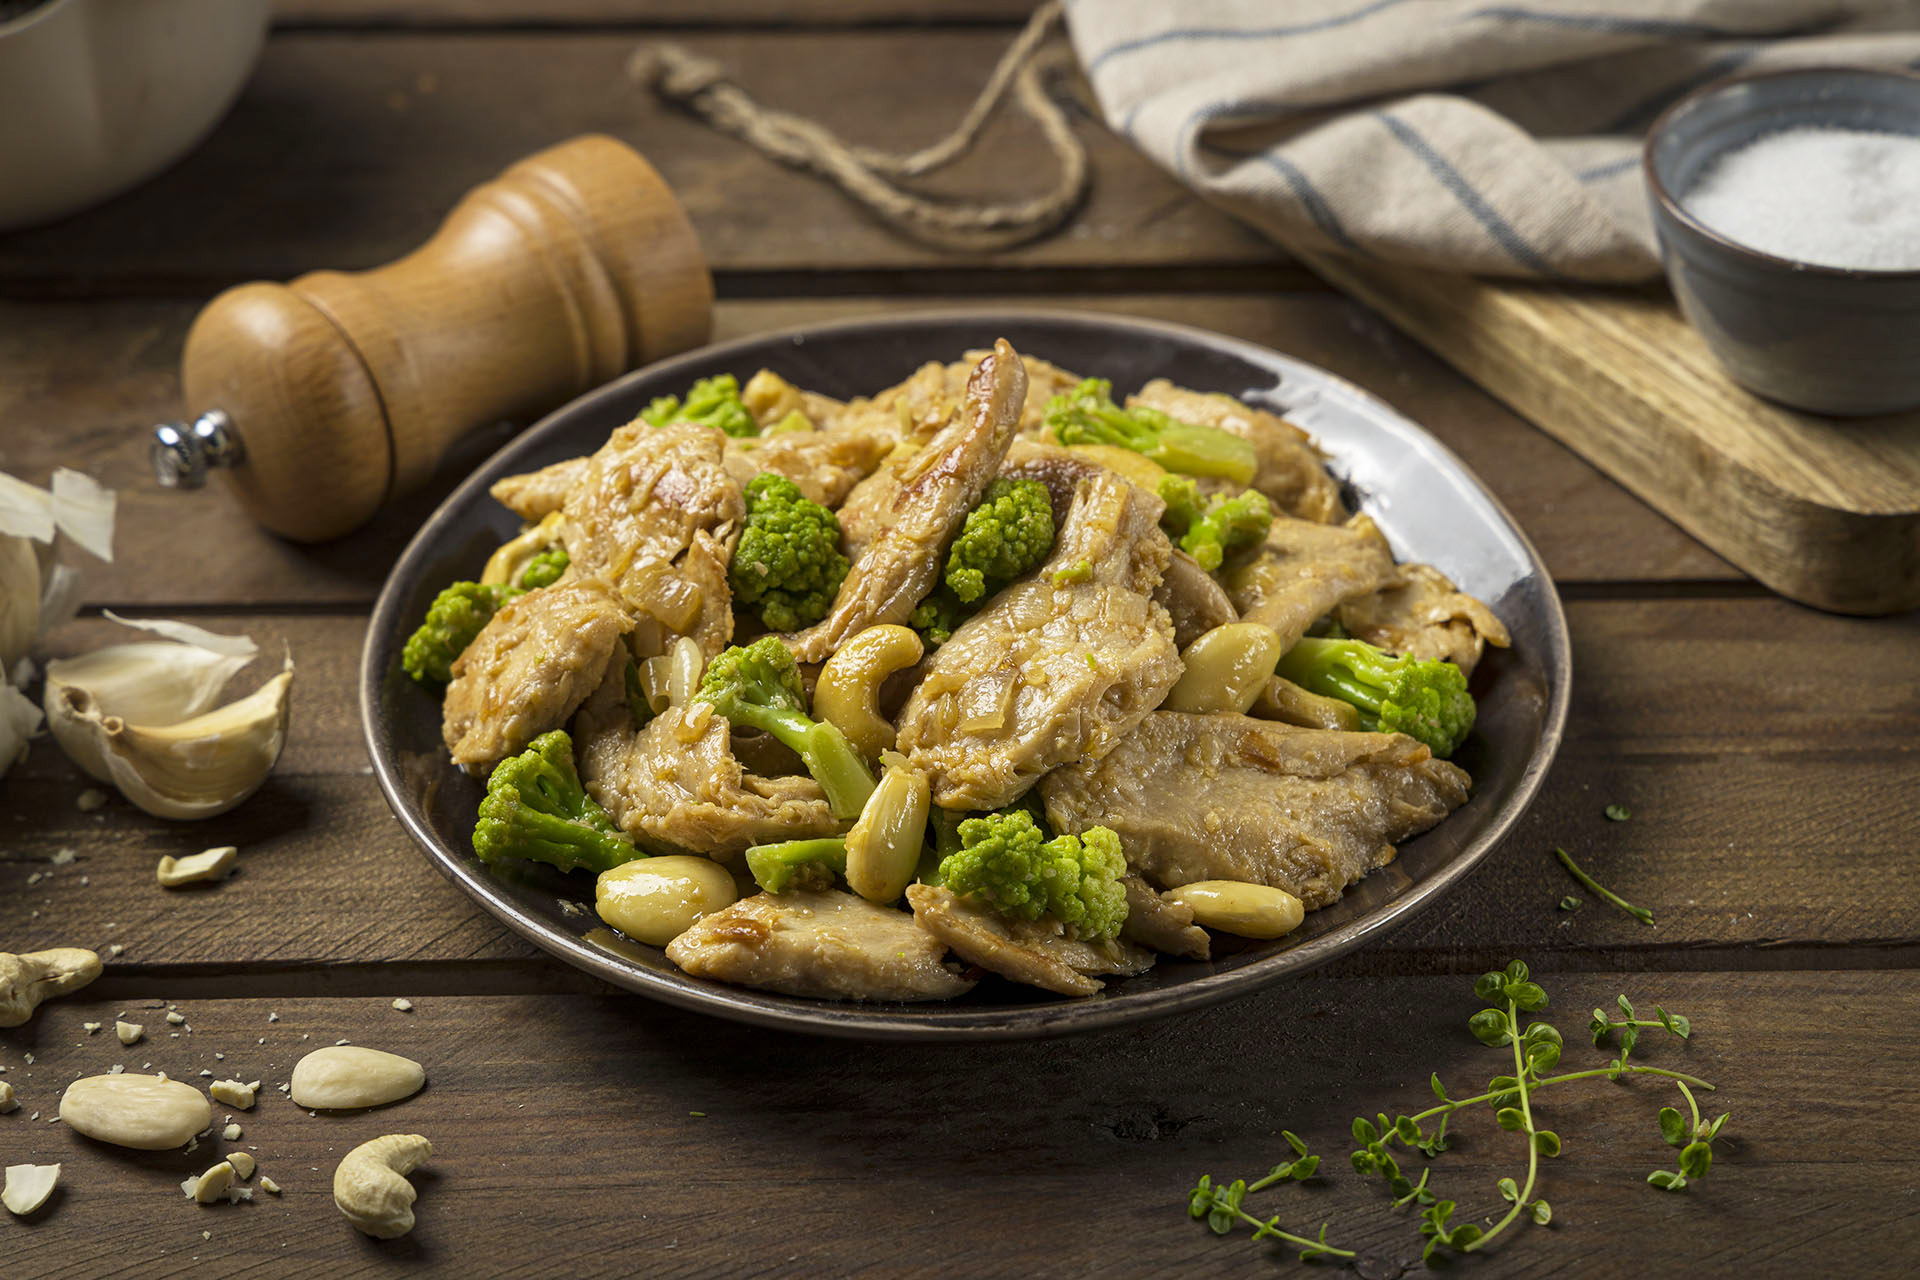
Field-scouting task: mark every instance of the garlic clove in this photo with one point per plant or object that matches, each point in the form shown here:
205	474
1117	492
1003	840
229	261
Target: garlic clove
151	683
19	599
201	766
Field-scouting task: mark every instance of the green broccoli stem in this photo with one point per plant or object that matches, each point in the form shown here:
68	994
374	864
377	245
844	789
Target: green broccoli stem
1204	451
798	864
563	843
829	757
1319	664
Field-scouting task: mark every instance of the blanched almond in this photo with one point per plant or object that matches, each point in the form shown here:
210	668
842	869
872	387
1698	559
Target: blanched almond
148	1113
343	1077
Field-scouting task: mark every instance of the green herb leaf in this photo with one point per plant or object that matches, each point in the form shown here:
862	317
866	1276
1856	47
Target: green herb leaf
1673	1127
1546	1142
1617	813
1295	1141
1570	903
1363	1130
1510	1119
1542	1212
1439	1090
1491	1027
1667	1180
1509	1190
1695	1159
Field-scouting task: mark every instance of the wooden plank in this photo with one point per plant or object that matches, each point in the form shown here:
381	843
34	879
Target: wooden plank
201	549
596	1137
522	14
1823	510
390	130
1752	772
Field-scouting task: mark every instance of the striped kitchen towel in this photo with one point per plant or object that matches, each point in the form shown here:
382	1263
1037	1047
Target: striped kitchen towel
1500	139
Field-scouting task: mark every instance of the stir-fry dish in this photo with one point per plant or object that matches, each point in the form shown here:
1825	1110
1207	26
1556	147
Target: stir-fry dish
989	673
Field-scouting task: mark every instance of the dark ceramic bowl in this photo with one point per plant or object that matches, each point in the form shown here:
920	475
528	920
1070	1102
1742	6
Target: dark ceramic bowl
1823	338
1423	498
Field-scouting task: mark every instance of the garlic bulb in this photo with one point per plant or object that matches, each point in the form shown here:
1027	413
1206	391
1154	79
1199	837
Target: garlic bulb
136	715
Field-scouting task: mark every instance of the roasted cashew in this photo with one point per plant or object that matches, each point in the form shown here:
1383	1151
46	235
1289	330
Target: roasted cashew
847	695
26	980
371	1187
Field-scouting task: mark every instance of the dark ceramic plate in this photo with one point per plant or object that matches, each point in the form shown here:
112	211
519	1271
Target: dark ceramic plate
1423	498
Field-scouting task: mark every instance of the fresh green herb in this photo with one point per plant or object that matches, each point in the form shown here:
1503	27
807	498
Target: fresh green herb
1570	903
1536	1047
1641	914
1618	813
698	1114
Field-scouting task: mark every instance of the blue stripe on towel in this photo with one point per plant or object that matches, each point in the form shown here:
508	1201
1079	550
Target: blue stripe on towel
1485	214
1611	169
1618	24
1238	33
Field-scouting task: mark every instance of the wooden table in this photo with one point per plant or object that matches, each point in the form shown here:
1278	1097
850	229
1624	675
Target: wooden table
1767	754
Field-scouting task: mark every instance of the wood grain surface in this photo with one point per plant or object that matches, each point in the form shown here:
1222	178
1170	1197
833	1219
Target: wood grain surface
1767	753
628	1138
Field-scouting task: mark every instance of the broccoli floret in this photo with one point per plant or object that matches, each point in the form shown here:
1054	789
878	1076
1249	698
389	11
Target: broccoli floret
713	402
1422	698
543	570
758	687
1007	534
535	808
798	864
1207	530
453	619
788	561
936	617
1007	863
1088	415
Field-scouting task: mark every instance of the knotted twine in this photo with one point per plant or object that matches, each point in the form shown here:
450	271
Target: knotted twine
871	175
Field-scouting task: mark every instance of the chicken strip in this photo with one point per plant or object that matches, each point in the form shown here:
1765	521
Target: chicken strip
1057	667
1039	954
676	784
1226	797
1421	614
655	516
537	659
1164	925
1196	603
1291	471
922	404
1304	570
936	487
827	944
535	495
824	464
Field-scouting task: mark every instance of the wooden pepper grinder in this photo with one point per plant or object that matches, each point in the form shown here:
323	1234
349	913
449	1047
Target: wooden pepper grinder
324	398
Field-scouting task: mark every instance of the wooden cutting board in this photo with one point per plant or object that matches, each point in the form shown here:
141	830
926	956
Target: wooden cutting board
1825	511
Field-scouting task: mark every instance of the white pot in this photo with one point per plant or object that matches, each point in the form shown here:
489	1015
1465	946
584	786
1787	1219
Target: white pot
97	95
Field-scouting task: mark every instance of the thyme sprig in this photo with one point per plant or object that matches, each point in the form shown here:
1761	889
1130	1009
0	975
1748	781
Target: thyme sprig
1536	1047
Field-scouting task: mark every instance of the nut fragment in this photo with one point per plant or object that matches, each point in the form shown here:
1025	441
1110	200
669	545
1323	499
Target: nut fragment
26	980
208	864
28	1186
242	1164
231	1133
371	1188
148	1113
234	1093
7	1101
211	1185
269	1185
129	1031
342	1077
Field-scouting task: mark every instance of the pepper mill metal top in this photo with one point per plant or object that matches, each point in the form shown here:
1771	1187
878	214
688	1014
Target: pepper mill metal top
573	266
182	451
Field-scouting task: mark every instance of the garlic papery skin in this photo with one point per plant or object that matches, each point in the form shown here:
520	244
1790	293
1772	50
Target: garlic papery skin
198	767
152	683
19	599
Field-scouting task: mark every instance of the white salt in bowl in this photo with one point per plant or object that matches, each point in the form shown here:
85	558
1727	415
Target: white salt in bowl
1838	339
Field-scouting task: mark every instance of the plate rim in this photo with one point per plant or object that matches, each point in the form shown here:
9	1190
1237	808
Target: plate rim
941	1023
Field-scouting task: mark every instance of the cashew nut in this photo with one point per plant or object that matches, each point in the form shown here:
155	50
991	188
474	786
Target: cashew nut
847	694
26	980
371	1187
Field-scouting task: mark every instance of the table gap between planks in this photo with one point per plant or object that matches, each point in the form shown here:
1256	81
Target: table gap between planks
1767	753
